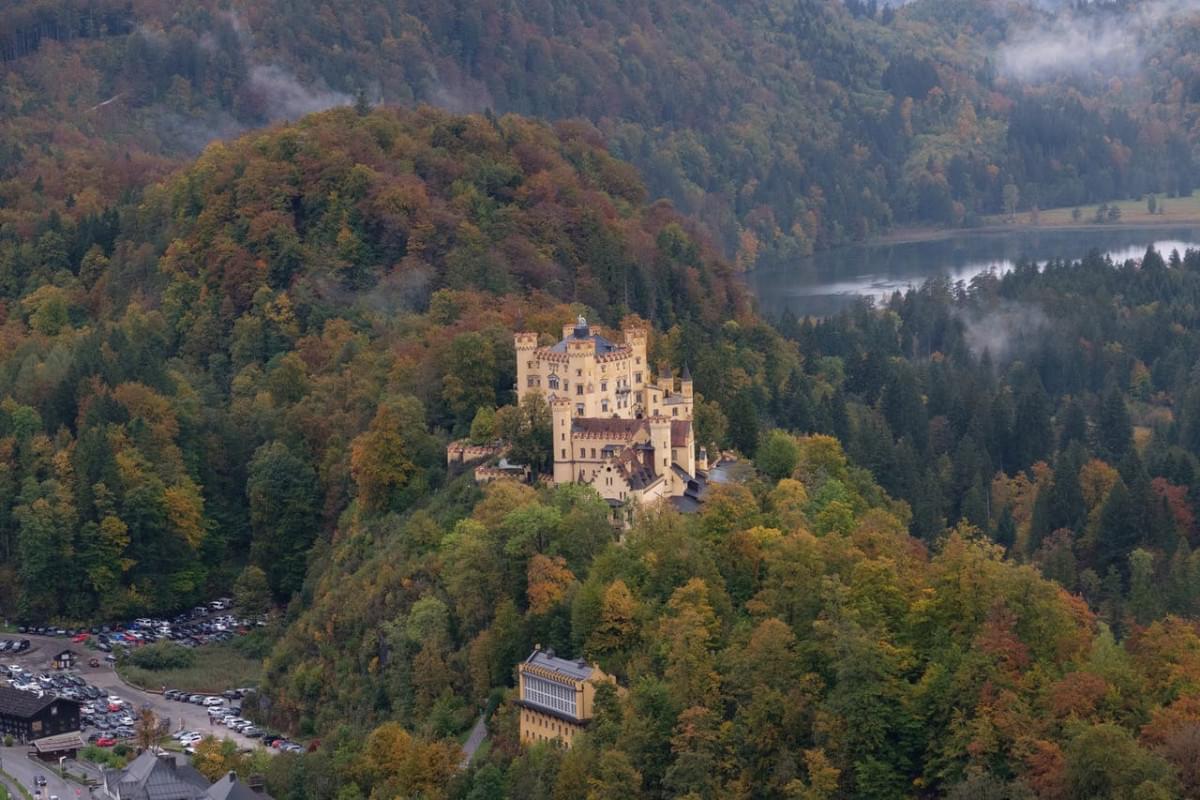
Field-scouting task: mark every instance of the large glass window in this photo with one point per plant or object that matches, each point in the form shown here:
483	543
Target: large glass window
549	694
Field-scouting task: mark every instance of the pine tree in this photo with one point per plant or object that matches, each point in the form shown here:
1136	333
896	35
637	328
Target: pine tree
1145	598
1074	425
1114	430
1118	532
1006	529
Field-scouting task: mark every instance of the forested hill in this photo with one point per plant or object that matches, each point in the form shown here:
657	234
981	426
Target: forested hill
783	126
206	376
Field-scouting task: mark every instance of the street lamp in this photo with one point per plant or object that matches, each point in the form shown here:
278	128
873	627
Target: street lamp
62	770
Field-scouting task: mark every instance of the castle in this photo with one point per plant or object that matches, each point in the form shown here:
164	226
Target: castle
617	429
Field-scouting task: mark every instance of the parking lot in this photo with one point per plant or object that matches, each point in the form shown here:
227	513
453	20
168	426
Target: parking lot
109	706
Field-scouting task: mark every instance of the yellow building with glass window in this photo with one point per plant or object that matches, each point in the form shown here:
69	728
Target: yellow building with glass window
556	697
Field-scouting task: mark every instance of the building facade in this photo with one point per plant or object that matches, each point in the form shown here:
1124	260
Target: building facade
617	426
556	697
26	717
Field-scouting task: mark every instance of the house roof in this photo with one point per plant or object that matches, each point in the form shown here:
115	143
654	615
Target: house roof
161	777
680	431
634	470
608	426
577	670
15	703
56	744
601	345
230	788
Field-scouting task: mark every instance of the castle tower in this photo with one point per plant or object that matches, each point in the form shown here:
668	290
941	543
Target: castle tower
685	382
660	440
581	351
666	379
563	448
526	345
637	339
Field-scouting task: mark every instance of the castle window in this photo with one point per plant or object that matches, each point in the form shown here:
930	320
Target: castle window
564	455
637	377
604	386
578	373
529	381
579	409
553	381
593	452
674	412
579	388
604	406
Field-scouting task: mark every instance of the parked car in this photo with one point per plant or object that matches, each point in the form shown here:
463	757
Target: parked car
105	741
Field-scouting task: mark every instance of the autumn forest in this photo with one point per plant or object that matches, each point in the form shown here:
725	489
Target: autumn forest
261	261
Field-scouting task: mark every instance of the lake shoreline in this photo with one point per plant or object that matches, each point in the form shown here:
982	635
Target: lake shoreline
916	235
829	281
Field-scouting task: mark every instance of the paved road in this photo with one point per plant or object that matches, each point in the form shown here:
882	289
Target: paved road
18	764
478	734
180	715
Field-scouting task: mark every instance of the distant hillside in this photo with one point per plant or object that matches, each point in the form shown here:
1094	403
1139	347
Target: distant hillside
783	126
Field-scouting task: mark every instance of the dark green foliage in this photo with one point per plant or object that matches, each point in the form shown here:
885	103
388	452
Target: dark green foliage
161	656
282	491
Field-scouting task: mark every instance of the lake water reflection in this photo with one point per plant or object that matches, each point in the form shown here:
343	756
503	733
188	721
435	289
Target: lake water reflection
831	281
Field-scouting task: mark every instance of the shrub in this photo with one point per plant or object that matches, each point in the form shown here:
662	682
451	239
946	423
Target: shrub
161	656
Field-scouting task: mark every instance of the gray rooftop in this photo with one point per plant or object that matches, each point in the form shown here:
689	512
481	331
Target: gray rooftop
154	777
230	788
601	344
577	670
584	332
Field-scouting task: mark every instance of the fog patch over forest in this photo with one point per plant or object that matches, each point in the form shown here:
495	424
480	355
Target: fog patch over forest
1076	43
1005	331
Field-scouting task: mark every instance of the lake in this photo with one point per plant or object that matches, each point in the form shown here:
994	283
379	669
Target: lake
833	280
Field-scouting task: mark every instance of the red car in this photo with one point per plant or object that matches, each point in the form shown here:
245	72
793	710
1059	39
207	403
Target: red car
113	707
105	741
81	638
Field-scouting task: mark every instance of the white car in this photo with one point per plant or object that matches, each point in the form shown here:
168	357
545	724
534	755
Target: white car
177	735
